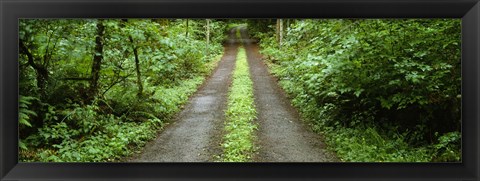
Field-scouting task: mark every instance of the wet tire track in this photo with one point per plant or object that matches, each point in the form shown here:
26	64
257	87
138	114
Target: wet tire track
282	136
196	132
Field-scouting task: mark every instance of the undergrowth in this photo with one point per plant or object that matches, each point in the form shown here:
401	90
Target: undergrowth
378	90
108	137
363	143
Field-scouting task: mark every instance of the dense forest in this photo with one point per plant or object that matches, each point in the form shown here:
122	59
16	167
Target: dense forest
96	90
376	90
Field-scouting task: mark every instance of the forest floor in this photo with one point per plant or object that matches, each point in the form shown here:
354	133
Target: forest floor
196	132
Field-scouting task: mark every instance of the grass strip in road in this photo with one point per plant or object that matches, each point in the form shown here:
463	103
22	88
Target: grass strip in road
238	142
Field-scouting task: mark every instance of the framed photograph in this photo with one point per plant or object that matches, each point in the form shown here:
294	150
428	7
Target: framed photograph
239	90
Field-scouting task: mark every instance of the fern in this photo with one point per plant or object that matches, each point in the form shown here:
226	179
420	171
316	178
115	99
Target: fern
24	114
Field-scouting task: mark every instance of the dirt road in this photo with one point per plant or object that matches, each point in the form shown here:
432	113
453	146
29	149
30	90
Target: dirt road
282	136
195	134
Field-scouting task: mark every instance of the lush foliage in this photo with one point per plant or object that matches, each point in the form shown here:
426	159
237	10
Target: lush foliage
97	90
380	90
238	142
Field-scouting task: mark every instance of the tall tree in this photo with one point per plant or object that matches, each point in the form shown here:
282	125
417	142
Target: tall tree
136	57
39	51
280	39
97	61
137	66
208	38
279	32
40	70
186	30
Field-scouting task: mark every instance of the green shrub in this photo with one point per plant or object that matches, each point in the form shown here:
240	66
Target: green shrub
393	83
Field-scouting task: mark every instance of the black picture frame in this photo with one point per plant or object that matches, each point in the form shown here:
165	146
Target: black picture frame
12	10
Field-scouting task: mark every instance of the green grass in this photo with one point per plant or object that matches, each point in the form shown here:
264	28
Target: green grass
238	34
238	142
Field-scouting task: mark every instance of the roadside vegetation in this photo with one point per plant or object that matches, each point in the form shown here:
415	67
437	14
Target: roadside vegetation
97	90
378	90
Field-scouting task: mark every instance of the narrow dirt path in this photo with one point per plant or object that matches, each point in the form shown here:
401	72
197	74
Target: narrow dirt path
195	134
282	136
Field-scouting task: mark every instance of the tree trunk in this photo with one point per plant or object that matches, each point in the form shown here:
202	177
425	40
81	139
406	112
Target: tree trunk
97	61
277	31
208	31
280	33
186	30
137	68
208	39
40	70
